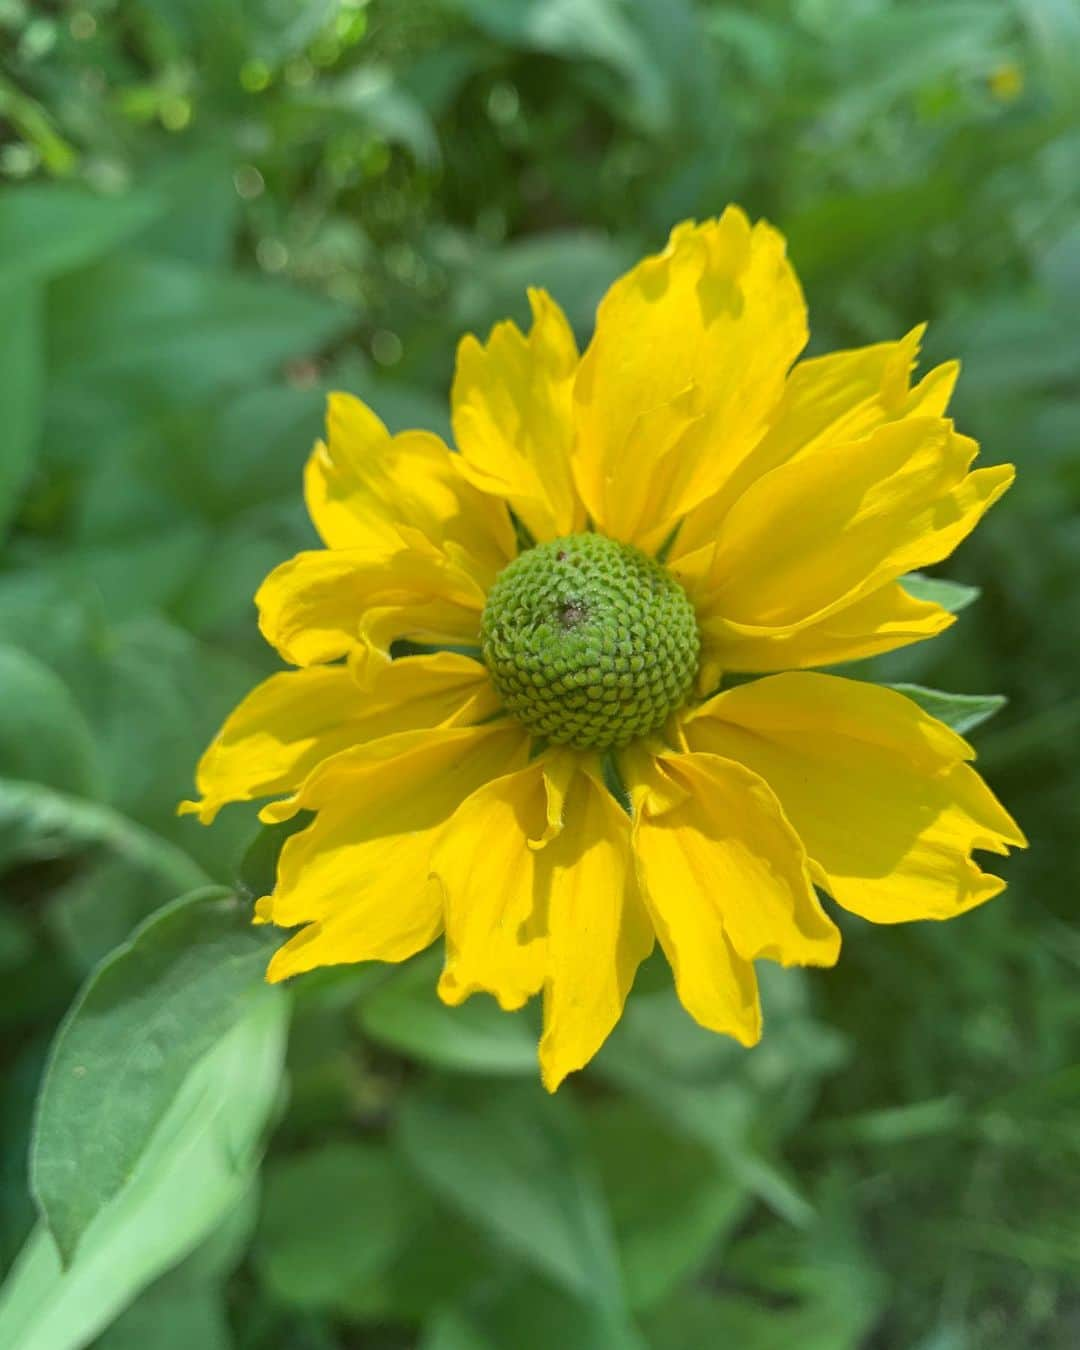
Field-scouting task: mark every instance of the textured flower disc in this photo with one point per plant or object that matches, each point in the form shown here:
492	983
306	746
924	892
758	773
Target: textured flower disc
589	642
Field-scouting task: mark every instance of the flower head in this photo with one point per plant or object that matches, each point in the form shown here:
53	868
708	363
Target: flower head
562	774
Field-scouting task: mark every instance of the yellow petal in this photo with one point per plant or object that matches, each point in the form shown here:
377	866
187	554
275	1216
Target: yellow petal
598	931
897	500
877	789
294	720
359	876
880	622
723	862
687	365
496	935
368	489
511	404
328	603
715	985
829	400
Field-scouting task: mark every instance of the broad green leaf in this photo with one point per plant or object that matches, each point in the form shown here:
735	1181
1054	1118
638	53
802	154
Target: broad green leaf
128	1046
379	104
528	1314
172	1319
668	1215
258	867
37	822
22	380
201	208
48	230
44	737
582	29
179	331
950	595
707	1087
198	1166
576	266
186	1306
699	1318
1054	26
102	904
442	1259
333	1219
509	1158
406	1014
816	1290
962	712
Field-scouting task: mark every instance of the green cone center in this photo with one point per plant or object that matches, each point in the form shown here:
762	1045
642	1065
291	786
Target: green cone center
589	642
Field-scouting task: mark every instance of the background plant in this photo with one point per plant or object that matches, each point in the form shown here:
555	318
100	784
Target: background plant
212	212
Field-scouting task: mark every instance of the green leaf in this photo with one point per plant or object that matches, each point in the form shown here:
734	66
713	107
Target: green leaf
709	1089
175	331
962	712
128	1046
406	1014
950	595
333	1219
576	266
44	737
258	867
510	1160
37	822
95	911
370	94
22	378
668	1215
527	1314
201	208
197	1167
48	230
582	29
172	1319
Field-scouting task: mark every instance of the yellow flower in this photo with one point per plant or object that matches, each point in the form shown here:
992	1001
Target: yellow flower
1006	82
618	531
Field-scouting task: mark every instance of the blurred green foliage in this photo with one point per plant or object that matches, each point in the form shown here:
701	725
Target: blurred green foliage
212	212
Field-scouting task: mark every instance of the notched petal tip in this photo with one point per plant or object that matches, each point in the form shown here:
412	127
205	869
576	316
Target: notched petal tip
205	809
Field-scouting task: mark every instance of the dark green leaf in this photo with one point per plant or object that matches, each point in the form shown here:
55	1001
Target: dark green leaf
172	1319
258	867
22	379
333	1220
528	1314
44	737
39	823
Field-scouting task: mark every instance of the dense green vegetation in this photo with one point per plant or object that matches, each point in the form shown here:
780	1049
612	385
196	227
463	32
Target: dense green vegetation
213	211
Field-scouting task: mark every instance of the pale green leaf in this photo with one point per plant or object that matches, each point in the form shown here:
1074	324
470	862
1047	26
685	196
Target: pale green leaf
197	1167
962	712
128	1046
950	595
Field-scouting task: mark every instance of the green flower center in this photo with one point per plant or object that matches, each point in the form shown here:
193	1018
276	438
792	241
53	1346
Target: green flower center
589	642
